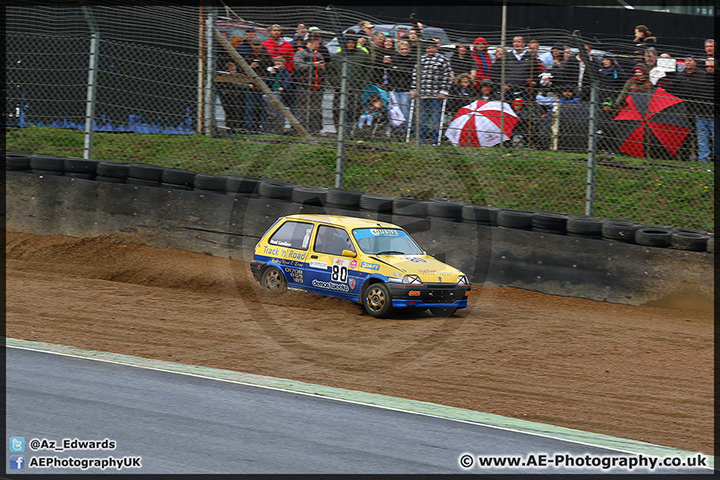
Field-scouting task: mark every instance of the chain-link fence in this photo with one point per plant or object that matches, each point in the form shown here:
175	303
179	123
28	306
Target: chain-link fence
382	106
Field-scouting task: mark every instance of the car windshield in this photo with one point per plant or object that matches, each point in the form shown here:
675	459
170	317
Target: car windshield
385	241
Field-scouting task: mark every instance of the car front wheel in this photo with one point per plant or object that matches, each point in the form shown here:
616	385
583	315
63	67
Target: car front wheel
376	300
273	280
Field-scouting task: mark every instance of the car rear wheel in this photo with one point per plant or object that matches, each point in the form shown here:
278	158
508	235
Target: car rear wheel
273	281
376	300
443	311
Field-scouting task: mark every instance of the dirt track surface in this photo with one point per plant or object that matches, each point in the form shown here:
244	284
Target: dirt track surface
631	372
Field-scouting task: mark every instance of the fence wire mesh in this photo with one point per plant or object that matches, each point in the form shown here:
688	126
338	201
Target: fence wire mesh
419	121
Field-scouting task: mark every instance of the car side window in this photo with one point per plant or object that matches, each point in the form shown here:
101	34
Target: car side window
332	241
293	235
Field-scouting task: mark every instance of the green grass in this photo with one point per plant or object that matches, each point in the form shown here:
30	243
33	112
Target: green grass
661	192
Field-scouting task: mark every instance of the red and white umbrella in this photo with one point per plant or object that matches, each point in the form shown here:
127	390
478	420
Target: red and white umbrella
482	124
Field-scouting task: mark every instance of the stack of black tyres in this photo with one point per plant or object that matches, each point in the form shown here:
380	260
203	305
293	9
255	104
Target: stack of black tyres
178	179
692	240
275	189
80	168
47	164
306	195
654	236
444	209
343	199
480	214
520	219
584	226
377	203
243	186
113	172
18	162
549	222
409	207
620	230
145	174
205	182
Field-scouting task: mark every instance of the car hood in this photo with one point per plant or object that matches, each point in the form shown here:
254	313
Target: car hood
426	267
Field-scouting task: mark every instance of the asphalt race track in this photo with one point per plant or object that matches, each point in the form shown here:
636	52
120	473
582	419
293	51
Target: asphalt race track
189	424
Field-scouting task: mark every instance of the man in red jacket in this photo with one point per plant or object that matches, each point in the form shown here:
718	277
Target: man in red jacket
278	47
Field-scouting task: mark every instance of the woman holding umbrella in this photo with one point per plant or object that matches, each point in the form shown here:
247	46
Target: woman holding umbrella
638	82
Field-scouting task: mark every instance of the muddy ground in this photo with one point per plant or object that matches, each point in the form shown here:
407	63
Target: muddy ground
633	372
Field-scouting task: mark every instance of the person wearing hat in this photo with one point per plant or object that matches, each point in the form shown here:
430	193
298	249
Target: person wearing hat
610	76
486	91
483	61
365	33
639	81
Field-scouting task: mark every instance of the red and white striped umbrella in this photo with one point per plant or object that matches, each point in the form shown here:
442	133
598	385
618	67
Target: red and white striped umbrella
479	124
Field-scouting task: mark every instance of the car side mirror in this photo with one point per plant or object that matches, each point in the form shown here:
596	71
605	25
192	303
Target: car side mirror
349	253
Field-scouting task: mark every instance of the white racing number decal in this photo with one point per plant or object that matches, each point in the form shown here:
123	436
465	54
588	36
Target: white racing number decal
340	270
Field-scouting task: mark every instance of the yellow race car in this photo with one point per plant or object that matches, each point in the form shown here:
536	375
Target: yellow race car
365	261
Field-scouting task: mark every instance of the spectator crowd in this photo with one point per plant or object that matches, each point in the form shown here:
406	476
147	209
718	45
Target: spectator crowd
409	77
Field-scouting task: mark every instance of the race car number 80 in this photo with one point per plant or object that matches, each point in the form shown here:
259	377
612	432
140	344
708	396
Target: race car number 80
340	270
339	273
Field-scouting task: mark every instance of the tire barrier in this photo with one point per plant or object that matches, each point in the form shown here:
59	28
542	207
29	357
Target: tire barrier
409	207
80	167
520	219
210	183
345	199
178	179
695	242
18	162
480	214
316	196
47	165
653	236
246	186
584	226
377	203
549	222
119	171
445	209
275	189
149	173
625	231
620	230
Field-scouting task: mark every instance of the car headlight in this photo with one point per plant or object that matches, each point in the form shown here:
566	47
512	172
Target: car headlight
412	279
462	280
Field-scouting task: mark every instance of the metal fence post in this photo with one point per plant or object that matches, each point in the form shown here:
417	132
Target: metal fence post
208	97
342	124
92	83
592	130
592	149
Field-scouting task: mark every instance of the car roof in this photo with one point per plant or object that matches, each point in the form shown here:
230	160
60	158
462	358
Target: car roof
352	222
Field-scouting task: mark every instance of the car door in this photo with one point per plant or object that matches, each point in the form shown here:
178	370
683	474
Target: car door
289	246
328	272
